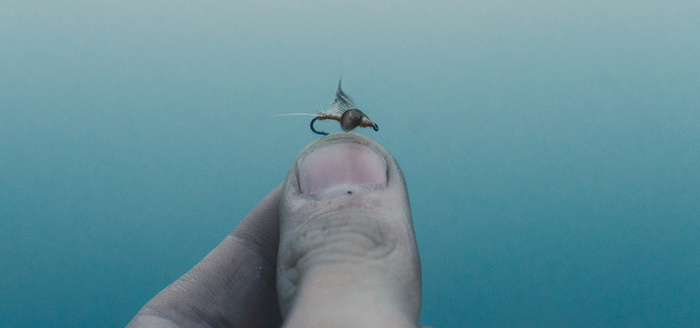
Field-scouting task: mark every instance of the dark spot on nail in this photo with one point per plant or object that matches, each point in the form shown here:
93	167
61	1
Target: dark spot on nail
349	192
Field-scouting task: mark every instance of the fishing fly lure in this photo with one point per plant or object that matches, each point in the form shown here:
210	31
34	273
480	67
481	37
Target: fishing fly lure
342	110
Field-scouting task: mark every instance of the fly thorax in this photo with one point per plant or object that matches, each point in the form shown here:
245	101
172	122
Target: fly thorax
351	119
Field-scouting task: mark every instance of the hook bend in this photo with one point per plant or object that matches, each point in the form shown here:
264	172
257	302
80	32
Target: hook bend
316	131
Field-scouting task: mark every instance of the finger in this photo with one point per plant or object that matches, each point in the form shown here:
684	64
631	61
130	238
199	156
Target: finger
233	286
348	254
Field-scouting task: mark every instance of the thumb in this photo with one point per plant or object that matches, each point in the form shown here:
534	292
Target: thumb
347	255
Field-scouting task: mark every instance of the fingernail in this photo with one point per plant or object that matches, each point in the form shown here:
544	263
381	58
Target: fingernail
341	165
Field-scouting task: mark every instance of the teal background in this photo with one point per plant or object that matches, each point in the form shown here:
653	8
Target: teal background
551	149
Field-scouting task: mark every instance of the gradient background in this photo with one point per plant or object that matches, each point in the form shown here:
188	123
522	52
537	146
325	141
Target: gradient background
551	149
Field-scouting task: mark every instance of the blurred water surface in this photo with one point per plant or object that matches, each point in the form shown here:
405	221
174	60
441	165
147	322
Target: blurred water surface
551	148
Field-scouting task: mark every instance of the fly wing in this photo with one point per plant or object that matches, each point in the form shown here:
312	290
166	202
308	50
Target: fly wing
341	103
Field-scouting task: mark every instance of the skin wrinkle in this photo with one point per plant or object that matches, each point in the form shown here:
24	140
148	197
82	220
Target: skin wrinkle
229	274
175	313
313	208
160	315
387	206
253	254
209	306
148	320
243	282
316	236
320	220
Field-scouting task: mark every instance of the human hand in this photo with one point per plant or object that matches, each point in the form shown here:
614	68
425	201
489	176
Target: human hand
333	246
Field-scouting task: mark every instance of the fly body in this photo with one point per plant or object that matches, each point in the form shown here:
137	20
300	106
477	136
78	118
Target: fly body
344	111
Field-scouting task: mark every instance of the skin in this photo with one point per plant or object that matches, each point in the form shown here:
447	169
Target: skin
333	246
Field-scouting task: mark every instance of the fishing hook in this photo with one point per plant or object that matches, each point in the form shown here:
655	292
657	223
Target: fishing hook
316	131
